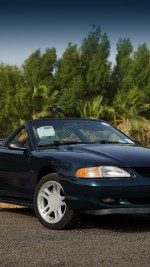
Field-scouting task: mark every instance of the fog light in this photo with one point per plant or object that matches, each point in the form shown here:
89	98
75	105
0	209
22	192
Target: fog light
108	200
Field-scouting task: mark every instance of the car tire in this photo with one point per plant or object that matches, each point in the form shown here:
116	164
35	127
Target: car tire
50	205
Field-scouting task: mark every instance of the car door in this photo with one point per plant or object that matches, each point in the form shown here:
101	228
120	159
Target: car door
16	178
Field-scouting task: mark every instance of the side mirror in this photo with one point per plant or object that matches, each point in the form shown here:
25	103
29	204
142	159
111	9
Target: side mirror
17	145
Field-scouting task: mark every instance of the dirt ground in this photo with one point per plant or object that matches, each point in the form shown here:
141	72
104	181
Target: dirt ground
9	206
103	241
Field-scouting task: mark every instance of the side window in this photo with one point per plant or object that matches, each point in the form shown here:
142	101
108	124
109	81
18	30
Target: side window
22	136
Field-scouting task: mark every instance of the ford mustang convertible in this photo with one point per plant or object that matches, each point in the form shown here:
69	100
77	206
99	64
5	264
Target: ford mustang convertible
63	167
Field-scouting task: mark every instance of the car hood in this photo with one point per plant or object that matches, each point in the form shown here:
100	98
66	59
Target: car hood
120	154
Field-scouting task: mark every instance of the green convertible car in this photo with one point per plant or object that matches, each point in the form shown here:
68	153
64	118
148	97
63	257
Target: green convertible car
62	167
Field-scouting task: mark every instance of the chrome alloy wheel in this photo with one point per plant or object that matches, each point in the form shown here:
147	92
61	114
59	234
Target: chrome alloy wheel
51	202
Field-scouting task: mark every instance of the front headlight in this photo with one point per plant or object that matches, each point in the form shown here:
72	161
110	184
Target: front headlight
102	172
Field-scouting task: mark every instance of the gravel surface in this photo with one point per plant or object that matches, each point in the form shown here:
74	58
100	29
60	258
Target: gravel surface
106	241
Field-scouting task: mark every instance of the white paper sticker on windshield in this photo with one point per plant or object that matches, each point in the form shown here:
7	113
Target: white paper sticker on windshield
45	131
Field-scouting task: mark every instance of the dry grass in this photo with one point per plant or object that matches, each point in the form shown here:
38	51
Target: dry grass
9	206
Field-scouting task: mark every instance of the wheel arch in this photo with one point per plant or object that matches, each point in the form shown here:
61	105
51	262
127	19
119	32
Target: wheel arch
45	171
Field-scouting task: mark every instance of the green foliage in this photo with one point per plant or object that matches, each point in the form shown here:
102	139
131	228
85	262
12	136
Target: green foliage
95	108
69	80
82	83
45	105
38	68
95	51
10	81
128	109
123	64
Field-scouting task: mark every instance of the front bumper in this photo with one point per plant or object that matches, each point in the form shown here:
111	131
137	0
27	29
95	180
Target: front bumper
125	210
108	196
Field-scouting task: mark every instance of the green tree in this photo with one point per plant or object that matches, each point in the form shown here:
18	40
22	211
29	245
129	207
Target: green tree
128	109
69	82
121	78
95	109
45	104
95	50
37	89
141	67
140	73
10	81
83	73
38	68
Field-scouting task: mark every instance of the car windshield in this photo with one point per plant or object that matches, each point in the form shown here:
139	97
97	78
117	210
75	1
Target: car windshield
73	131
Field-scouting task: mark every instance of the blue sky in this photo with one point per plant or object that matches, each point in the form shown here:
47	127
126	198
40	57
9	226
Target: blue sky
29	25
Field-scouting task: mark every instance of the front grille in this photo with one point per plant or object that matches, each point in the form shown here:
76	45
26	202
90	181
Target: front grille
143	171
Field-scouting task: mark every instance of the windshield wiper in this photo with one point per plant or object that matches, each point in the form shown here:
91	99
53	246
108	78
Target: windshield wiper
58	143
62	142
111	142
